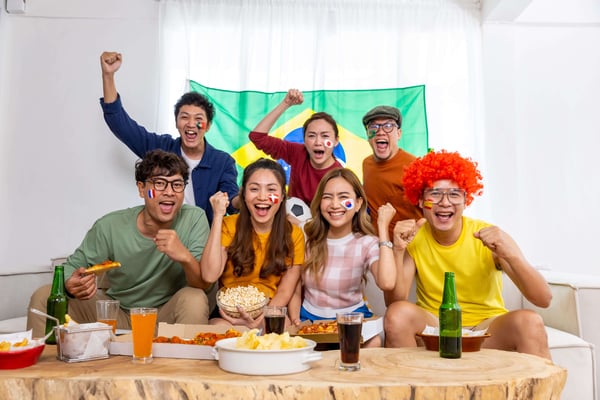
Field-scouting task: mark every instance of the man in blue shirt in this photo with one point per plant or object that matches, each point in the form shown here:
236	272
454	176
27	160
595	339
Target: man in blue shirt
212	170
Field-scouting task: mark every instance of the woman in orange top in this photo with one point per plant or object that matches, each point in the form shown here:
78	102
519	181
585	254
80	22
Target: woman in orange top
258	246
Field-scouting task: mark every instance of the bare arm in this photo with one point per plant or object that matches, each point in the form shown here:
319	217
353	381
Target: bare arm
404	232
384	270
295	304
110	62
512	261
287	286
293	97
214	257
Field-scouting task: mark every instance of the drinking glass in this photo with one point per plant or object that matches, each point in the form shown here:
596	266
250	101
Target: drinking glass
349	332
143	323
274	319
107	311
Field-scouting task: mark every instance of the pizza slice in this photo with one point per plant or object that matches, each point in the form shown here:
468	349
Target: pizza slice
104	266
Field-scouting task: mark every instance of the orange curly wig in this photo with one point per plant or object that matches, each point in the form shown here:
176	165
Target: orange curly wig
435	166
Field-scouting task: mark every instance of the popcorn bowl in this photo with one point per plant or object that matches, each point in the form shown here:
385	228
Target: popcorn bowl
254	309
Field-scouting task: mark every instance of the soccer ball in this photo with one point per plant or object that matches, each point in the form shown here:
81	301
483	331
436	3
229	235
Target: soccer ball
297	209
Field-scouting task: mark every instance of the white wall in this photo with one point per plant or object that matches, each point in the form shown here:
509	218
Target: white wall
62	168
542	104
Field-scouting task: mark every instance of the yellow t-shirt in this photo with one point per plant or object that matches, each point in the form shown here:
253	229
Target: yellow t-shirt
266	285
478	282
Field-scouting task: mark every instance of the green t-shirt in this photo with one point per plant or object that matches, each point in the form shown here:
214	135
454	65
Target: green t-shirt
147	277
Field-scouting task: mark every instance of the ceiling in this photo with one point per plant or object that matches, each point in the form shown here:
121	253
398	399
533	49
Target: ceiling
541	11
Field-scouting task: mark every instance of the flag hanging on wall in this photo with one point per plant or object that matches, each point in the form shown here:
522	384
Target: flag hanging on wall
237	113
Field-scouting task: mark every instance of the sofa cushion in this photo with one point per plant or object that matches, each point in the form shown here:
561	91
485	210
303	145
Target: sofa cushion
578	357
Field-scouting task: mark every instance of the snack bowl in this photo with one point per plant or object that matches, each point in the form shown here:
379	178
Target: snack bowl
254	310
469	343
82	342
23	357
264	362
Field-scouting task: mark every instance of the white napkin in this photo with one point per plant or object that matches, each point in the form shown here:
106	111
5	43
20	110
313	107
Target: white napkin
435	331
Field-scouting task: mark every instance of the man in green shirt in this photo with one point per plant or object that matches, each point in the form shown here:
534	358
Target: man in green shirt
159	245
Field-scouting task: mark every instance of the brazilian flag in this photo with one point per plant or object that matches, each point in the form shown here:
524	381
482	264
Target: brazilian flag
237	113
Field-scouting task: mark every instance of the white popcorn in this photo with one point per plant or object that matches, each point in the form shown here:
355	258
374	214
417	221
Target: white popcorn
243	296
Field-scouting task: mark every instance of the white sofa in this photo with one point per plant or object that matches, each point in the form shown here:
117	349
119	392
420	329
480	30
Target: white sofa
571	326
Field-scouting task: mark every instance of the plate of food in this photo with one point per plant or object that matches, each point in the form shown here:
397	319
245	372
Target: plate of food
20	353
271	354
471	340
325	331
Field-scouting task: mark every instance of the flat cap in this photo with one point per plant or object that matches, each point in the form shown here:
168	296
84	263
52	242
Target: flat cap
383	112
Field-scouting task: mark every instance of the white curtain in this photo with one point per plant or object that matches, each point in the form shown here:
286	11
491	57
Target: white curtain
274	45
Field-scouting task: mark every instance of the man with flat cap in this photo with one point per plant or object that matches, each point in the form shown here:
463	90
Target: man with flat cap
382	171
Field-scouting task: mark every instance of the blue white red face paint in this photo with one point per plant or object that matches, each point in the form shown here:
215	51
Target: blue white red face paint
348	204
151	194
274	198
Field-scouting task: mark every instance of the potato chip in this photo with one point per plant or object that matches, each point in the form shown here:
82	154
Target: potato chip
271	341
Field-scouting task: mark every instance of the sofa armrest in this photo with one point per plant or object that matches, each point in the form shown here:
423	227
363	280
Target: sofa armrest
574	298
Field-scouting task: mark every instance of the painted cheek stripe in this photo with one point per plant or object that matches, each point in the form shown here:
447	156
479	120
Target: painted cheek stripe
151	194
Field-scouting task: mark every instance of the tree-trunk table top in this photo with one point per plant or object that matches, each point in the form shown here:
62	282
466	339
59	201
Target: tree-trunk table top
398	374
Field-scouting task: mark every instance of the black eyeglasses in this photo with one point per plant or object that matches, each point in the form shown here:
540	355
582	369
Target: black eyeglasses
436	196
372	129
159	184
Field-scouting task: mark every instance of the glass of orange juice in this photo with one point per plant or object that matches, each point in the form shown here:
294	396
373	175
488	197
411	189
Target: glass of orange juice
107	312
143	323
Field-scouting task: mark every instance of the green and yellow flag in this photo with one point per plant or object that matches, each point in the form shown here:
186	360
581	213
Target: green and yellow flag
237	113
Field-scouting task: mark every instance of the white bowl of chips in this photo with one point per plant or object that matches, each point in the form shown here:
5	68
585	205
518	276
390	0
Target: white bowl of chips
281	358
249	298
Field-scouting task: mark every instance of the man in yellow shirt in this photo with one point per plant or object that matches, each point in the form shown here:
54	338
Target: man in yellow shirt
442	184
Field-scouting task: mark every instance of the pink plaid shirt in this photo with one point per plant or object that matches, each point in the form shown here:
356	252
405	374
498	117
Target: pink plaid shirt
341	285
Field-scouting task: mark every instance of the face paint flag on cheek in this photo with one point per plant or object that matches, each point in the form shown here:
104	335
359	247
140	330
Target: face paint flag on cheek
201	125
371	133
427	204
328	143
274	198
151	194
348	204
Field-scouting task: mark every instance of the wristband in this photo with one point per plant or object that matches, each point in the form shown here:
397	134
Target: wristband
386	243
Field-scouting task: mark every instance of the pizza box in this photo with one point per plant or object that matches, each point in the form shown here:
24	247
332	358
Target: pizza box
123	345
371	326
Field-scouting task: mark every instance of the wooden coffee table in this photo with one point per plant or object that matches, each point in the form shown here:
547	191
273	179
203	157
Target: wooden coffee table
386	374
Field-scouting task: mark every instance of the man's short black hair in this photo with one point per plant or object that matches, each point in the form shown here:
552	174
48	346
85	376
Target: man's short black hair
196	99
160	162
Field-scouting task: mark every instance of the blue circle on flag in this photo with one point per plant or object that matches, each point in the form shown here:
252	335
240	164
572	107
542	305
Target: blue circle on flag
297	136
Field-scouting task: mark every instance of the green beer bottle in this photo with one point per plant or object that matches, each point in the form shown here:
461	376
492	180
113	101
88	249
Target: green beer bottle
57	302
450	320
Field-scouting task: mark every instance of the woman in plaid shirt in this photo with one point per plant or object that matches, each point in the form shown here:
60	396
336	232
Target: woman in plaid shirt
341	247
